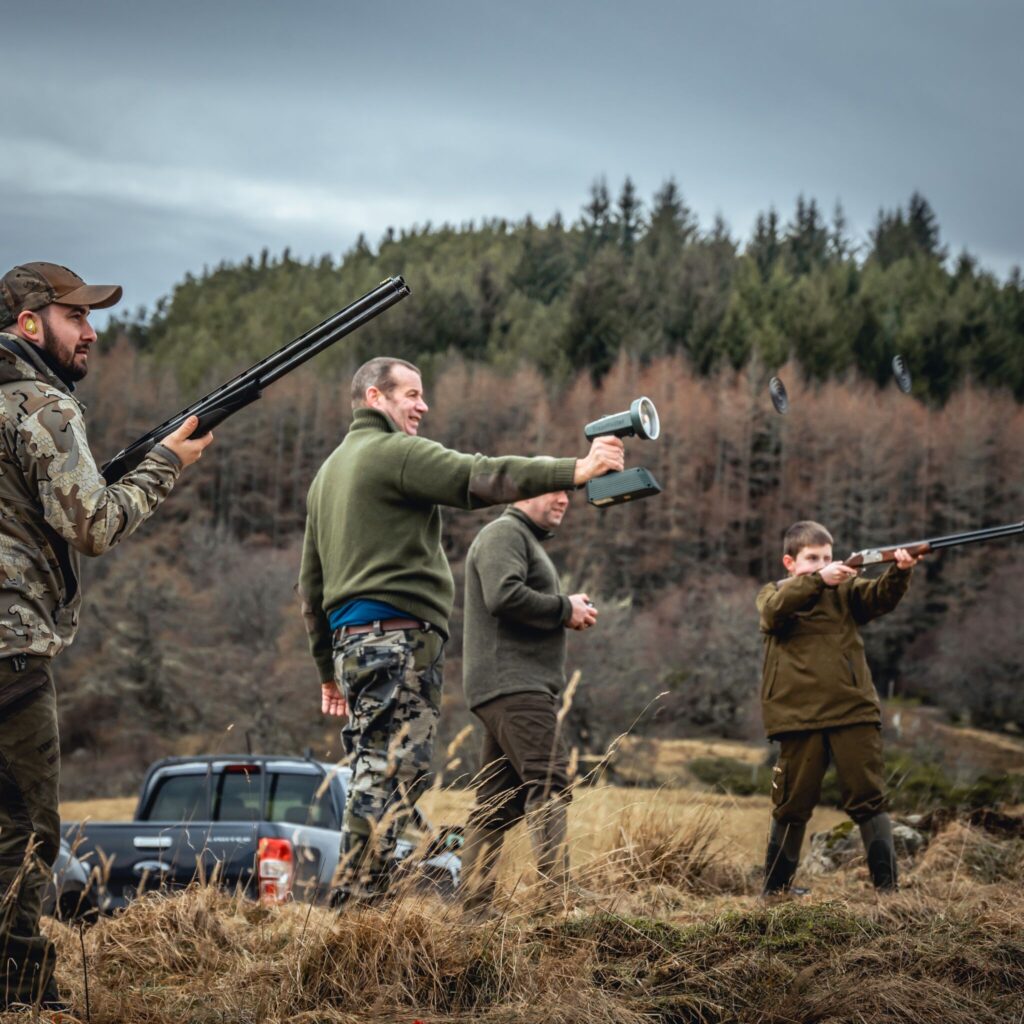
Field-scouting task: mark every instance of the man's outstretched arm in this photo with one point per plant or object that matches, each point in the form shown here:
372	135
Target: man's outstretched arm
431	472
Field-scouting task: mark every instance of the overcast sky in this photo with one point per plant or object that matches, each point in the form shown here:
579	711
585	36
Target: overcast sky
148	140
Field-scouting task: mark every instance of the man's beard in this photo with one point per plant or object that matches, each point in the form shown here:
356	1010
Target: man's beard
65	362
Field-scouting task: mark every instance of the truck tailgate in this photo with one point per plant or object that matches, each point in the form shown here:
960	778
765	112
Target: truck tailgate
127	858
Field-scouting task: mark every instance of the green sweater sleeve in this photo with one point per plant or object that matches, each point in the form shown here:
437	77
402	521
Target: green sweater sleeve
779	602
311	594
432	473
502	563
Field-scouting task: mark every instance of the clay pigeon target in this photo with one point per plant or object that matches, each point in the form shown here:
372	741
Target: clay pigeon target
903	379
780	399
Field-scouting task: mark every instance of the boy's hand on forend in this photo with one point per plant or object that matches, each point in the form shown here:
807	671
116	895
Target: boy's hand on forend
905	560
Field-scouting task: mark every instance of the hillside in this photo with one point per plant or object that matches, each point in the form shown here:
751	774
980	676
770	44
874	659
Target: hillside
191	637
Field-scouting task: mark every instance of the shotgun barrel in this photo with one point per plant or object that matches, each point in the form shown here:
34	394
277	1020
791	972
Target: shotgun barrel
872	556
238	392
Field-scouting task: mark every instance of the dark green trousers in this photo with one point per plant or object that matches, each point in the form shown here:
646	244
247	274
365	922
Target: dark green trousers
524	760
29	824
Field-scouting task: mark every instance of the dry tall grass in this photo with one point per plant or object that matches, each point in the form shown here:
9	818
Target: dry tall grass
663	925
597	812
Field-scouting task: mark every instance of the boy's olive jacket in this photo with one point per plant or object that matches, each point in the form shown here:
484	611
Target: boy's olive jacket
815	675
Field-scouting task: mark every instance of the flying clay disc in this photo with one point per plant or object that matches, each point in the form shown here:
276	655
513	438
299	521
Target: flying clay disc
902	374
780	399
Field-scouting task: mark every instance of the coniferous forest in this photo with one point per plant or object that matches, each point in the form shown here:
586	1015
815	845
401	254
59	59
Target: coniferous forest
526	331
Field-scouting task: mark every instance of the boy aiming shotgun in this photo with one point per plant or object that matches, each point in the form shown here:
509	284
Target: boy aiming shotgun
818	699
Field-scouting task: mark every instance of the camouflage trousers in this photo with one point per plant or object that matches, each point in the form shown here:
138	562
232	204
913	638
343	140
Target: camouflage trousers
392	682
29	824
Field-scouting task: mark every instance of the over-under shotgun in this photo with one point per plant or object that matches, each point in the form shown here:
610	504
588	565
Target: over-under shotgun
871	556
238	392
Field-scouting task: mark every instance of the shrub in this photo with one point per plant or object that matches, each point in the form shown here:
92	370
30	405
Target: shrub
915	785
729	775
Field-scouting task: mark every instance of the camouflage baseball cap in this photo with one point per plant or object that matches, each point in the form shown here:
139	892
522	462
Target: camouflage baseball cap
35	285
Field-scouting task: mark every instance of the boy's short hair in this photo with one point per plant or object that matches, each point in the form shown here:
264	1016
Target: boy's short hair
805	534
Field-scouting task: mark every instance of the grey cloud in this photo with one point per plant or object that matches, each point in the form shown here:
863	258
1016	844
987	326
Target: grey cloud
165	138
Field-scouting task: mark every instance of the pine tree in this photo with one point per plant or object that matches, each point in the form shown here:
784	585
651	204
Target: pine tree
545	267
807	238
897	237
629	218
840	247
765	247
672	224
923	228
598	315
598	229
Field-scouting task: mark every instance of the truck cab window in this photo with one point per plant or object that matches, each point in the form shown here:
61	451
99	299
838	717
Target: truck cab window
178	798
294	800
237	797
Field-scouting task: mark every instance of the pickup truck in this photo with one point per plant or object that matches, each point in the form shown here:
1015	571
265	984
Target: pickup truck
267	826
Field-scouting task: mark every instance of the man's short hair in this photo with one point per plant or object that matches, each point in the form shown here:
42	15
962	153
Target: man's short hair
376	374
805	534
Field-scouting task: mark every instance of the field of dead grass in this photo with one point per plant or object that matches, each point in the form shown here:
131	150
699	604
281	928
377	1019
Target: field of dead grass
665	926
741	823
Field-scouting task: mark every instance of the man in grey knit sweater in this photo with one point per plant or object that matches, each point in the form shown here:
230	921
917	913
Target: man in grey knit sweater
514	675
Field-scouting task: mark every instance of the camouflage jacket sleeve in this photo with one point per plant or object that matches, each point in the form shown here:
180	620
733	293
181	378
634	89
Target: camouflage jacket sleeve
53	452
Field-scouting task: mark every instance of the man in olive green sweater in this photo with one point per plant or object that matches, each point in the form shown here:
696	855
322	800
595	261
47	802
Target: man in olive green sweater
818	699
513	673
377	593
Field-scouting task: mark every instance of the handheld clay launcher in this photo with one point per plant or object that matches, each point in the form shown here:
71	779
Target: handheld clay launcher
872	556
639	420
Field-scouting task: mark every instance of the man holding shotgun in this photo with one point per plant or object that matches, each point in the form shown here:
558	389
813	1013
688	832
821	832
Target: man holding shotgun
54	507
377	592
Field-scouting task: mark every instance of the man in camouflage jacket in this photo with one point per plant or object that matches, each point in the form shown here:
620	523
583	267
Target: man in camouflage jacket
54	507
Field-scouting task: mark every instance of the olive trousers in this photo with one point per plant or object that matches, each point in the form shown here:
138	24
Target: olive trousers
525	773
856	751
29	823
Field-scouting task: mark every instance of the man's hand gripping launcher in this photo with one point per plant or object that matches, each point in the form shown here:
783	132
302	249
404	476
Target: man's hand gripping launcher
639	420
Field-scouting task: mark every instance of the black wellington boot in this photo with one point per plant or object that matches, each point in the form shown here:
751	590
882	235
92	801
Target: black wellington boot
782	858
881	851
